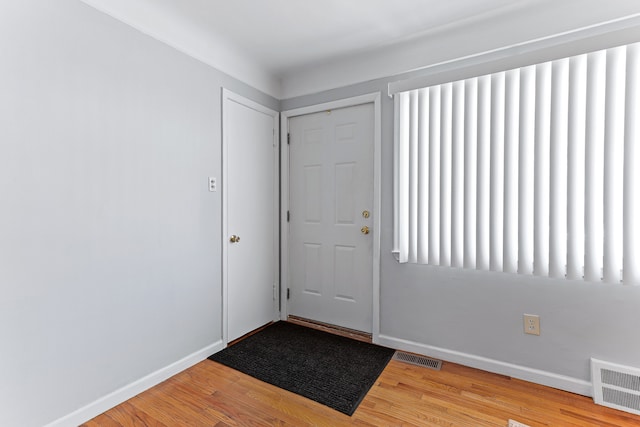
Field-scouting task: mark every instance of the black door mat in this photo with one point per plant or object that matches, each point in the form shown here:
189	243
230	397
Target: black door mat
330	369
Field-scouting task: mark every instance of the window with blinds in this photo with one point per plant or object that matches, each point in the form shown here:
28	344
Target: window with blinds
533	170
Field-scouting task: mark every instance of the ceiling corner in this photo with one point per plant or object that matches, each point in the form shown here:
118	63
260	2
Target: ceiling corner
152	19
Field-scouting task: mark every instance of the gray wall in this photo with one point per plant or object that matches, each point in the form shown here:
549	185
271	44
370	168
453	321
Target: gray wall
110	246
476	317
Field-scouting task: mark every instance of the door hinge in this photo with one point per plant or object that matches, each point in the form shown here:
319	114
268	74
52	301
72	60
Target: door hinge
288	138
288	216
288	293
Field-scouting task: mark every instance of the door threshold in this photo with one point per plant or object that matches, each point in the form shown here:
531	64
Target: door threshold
332	329
248	334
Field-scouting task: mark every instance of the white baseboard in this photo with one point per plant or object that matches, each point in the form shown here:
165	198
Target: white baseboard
107	402
573	385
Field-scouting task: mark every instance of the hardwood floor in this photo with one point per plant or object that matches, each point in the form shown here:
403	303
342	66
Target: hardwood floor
210	394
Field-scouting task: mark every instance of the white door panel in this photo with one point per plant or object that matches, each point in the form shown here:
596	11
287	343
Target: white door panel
331	185
251	203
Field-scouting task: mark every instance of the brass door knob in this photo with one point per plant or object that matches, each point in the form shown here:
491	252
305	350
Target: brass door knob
234	239
365	230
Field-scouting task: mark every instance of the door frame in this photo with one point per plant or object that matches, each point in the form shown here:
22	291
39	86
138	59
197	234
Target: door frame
227	98
370	98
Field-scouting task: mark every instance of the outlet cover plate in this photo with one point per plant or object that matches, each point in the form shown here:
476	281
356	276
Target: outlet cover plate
531	324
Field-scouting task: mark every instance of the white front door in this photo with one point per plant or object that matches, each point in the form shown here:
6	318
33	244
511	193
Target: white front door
330	203
250	238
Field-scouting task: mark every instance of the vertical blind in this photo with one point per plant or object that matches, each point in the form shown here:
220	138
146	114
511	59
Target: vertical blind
534	170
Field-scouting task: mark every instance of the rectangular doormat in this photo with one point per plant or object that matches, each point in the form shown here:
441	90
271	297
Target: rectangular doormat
333	370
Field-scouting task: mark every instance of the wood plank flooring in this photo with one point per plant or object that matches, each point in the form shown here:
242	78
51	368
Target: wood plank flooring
210	394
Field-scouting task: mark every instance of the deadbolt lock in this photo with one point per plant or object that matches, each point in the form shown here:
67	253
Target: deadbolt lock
234	239
365	214
365	230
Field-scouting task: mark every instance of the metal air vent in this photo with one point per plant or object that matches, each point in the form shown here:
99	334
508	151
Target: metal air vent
616	386
418	360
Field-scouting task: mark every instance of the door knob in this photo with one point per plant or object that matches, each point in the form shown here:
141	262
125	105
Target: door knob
234	239
365	230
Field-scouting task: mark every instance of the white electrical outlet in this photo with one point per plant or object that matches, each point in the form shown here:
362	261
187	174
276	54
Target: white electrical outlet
213	186
531	324
513	423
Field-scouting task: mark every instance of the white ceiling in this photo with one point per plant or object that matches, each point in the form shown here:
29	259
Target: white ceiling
285	34
285	47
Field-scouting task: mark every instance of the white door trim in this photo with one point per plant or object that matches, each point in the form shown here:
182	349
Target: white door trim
227	97
284	192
